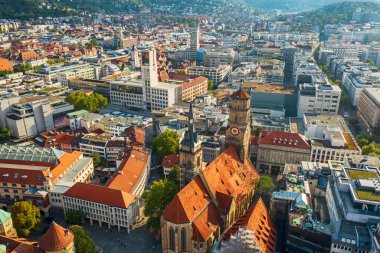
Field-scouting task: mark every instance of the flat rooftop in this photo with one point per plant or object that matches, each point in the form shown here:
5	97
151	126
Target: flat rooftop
327	120
270	88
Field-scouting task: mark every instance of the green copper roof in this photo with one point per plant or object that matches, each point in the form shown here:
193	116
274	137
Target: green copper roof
4	216
3	248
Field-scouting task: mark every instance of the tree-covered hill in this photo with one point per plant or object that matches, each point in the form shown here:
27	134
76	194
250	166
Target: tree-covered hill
293	5
10	9
340	13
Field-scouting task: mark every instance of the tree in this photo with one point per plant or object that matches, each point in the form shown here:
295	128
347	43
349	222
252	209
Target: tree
97	159
92	103
157	197
22	68
5	133
92	43
82	240
264	186
174	175
257	130
75	217
165	144
210	84
5	72
25	216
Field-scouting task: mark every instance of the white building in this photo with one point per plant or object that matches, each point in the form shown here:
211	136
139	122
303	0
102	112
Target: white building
330	138
216	74
145	93
88	72
35	114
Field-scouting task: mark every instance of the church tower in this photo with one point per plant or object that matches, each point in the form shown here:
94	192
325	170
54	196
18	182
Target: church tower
239	124
190	152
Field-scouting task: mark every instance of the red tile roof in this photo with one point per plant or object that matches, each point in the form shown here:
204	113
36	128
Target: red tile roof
131	170
136	136
193	82
241	94
206	223
28	55
170	160
227	177
5	65
16	246
284	139
56	238
257	219
100	194
187	203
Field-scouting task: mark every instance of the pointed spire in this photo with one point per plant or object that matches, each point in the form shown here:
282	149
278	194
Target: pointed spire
191	136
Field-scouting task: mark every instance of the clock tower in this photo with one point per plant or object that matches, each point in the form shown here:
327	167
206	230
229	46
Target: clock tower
238	132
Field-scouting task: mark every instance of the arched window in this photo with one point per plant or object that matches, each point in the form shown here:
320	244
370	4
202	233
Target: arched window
171	239
198	161
183	239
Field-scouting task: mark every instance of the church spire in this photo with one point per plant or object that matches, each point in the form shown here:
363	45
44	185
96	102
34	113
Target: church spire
191	137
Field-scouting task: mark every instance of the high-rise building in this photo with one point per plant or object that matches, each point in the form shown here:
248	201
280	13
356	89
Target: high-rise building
289	55
194	46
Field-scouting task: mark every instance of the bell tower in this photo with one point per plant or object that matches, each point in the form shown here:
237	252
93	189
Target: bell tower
239	124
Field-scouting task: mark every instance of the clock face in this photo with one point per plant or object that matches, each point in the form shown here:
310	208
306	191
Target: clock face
235	130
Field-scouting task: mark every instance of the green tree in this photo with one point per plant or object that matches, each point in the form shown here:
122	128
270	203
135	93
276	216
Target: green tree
25	216
82	240
92	43
74	217
174	175
157	197
257	130
165	144
264	186
22	68
210	84
5	72
97	159
92	103
5	133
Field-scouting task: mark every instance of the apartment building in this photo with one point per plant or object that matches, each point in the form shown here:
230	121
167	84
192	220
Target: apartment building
368	110
30	173
194	88
216	74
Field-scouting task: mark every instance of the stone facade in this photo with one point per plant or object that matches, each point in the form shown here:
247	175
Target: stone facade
239	123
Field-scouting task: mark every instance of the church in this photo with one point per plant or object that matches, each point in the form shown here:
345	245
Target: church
215	196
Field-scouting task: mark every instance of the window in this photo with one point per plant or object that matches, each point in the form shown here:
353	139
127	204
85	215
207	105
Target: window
183	239
171	239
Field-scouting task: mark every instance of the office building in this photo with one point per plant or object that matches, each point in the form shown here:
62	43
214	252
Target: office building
368	110
145	93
